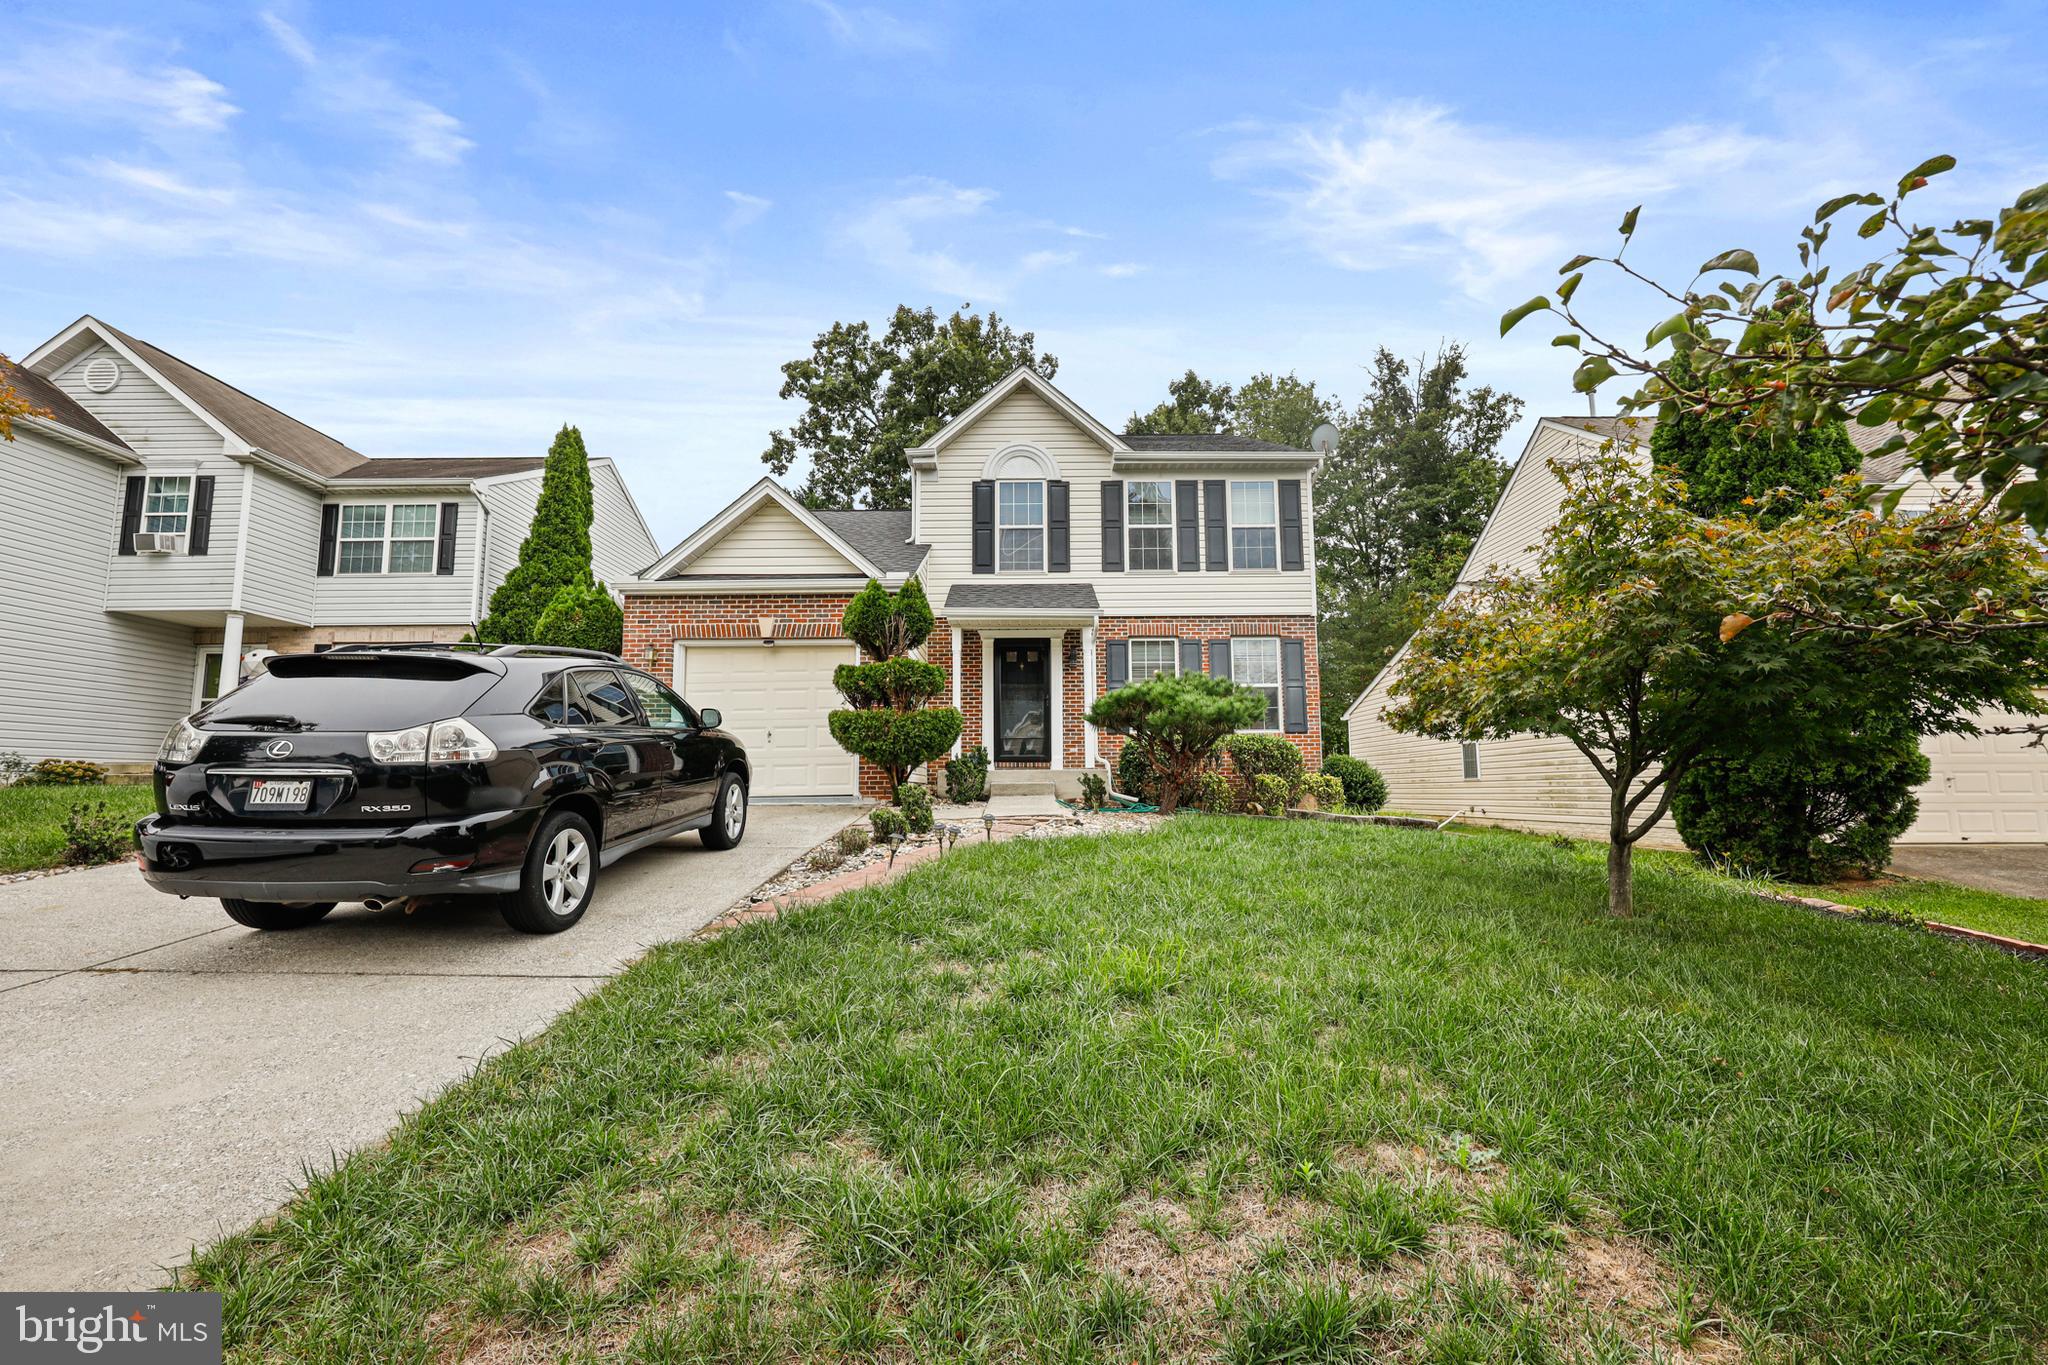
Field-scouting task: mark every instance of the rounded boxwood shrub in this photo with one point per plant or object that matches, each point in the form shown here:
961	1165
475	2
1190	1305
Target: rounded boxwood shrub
1326	789
1257	755
967	775
1808	815
1134	775
887	820
914	799
1212	793
1271	794
1364	788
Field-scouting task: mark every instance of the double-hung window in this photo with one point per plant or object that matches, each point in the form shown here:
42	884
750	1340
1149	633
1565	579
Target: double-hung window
1020	527
388	538
167	504
1148	522
1152	657
1254	524
1255	663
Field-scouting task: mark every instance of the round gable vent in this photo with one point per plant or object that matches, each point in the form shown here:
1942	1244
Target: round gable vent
101	374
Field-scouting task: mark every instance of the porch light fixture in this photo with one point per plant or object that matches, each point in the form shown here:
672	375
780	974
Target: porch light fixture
768	630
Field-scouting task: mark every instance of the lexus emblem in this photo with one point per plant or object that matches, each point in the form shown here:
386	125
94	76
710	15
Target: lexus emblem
278	748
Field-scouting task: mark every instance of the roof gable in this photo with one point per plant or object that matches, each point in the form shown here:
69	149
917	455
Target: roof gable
63	409
739	512
1023	377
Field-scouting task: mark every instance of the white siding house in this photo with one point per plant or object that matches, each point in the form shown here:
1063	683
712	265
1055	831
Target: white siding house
181	521
1983	788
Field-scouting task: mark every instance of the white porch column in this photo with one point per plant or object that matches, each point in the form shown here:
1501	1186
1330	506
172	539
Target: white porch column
231	653
1087	693
955	656
1056	669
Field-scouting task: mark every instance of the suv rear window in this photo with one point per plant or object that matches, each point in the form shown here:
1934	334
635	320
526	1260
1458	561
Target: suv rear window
344	691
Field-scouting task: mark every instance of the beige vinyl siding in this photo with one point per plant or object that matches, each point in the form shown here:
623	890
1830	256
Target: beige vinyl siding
1529	505
946	523
769	541
401	599
620	546
510	506
284	544
170	439
75	680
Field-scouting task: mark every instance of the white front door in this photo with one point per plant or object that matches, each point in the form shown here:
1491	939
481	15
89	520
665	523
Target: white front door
775	699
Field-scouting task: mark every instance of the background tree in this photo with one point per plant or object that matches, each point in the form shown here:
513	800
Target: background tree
12	404
556	552
1416	473
889	723
868	400
1731	470
1193	406
1617	642
1176	720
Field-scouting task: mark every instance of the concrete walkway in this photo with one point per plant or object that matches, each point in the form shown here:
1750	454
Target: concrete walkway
2014	869
164	1072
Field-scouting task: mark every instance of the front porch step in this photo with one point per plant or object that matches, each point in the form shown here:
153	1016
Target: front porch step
1062	782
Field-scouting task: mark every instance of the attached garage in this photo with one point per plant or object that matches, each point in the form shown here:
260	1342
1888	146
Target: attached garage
1984	789
775	698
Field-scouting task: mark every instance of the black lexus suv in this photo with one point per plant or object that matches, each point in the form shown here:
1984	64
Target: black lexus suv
383	774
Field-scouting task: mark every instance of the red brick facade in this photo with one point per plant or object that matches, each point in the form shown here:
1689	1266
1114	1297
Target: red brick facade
655	622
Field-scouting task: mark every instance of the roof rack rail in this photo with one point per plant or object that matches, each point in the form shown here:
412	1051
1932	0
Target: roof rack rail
478	646
563	650
396	646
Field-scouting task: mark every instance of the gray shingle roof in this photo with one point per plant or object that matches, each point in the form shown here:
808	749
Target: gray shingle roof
1883	469
60	406
253	420
1209	443
880	533
461	468
1022	597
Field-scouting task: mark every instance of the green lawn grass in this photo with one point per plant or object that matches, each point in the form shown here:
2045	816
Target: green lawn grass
1946	903
1235	1089
32	819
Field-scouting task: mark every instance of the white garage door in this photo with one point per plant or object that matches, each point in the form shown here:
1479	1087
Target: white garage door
775	698
1984	789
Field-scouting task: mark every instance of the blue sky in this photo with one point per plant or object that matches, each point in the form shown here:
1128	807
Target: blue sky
446	229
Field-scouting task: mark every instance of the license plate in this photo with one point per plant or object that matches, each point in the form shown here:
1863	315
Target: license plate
264	791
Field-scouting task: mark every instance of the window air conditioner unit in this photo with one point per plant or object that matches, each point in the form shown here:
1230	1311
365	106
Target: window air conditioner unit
158	542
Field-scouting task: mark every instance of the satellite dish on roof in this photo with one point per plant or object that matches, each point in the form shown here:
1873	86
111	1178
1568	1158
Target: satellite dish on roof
1323	440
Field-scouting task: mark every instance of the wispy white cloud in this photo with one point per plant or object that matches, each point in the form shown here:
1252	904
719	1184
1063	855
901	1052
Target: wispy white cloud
346	82
745	209
104	75
1122	270
1380	184
872	30
948	239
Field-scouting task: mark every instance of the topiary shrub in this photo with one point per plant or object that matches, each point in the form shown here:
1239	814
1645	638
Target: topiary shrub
1211	792
967	776
1271	794
91	835
1134	775
890	724
1177	720
1254	755
64	772
914	799
1364	788
1324	789
1809	814
582	616
885	821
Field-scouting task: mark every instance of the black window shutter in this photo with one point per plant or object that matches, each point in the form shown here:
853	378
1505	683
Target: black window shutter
1191	656
1112	525
984	526
1290	524
1219	658
1294	686
330	530
199	535
1219	524
444	561
1116	656
131	514
1058	519
1187	505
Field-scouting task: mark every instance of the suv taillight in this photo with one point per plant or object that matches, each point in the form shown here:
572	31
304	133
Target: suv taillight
182	744
445	741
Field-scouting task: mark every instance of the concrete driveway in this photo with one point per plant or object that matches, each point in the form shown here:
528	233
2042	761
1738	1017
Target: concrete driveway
165	1073
2015	869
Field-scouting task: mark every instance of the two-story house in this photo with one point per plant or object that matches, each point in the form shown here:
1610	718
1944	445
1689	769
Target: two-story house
1062	561
162	520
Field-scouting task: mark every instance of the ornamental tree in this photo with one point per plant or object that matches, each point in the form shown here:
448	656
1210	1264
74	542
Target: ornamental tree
12	403
1176	720
556	552
582	615
889	722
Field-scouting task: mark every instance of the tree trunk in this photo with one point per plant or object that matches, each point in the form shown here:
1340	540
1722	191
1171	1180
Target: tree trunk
1621	888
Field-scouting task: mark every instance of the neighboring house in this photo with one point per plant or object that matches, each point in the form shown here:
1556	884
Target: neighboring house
1061	559
164	520
1983	789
